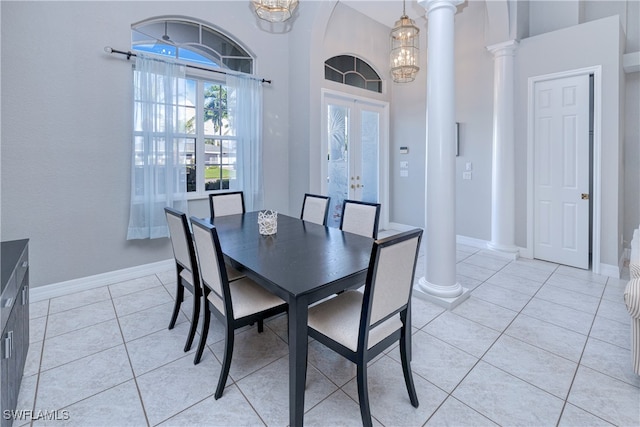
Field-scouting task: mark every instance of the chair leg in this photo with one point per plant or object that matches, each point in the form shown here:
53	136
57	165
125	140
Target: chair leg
226	361
176	306
363	394
203	334
195	317
405	353
260	326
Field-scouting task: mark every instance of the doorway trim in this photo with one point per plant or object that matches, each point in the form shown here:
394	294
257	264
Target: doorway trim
596	177
383	178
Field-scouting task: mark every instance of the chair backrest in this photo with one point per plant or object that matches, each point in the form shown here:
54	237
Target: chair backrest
315	208
360	218
390	276
181	240
213	274
229	203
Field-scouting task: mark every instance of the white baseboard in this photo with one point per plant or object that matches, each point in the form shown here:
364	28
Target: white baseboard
472	241
611	270
53	290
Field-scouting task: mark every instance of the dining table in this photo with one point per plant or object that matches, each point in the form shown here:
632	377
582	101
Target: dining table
302	263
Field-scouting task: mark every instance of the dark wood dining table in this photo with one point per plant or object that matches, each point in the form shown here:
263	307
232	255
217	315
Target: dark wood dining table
302	263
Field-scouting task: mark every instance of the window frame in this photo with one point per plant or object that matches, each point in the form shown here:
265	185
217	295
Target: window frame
201	136
201	75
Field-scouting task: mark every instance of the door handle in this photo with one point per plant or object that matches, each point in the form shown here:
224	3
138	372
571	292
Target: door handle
585	196
8	346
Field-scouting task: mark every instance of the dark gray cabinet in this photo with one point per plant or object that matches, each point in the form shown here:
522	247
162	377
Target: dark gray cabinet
14	313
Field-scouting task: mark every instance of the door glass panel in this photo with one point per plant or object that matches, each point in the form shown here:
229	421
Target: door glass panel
338	160
370	142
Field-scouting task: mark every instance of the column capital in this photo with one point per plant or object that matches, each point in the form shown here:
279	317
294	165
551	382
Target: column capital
504	48
431	5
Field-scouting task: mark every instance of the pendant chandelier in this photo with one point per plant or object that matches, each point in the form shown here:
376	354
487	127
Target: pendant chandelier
404	49
274	10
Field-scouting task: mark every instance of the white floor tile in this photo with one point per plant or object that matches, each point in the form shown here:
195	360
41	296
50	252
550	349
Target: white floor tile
534	365
505	356
455	413
507	400
615	401
462	333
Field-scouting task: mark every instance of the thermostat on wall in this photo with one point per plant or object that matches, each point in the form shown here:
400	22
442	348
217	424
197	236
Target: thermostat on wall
404	150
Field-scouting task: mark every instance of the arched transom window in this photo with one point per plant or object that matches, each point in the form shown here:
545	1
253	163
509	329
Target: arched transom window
352	71
190	41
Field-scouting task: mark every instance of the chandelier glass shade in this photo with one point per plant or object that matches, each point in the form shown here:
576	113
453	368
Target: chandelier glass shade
274	10
405	51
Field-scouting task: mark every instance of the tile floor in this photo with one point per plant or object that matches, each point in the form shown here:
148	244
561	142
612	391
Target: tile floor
536	344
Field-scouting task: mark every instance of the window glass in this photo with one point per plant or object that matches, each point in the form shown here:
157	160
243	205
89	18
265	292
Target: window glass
201	125
352	71
192	42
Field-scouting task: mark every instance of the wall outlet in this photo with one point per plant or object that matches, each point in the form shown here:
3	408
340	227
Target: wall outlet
466	175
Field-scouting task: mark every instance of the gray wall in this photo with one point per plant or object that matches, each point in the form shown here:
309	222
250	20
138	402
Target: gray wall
66	134
564	50
66	120
632	157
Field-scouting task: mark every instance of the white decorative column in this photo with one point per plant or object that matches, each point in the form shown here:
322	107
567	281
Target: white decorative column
503	172
440	284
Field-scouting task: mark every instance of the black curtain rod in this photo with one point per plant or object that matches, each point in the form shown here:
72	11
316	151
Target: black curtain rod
129	54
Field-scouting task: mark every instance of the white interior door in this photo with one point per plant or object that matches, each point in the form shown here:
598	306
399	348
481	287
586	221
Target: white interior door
561	171
355	142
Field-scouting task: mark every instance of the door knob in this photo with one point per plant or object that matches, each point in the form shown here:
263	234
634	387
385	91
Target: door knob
585	196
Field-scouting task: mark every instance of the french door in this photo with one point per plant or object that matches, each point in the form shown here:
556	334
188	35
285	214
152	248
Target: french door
355	140
562	175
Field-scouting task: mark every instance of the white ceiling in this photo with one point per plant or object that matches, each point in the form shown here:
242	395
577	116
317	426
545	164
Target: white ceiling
387	12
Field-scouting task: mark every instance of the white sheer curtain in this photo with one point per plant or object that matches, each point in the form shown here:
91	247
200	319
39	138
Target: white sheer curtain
244	104
158	176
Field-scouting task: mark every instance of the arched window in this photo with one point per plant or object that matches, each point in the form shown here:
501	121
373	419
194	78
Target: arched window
190	41
203	111
352	71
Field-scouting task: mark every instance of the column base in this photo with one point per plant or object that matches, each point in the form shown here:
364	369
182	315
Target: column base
506	251
448	297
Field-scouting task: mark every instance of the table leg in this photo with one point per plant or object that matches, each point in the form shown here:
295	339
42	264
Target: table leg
298	314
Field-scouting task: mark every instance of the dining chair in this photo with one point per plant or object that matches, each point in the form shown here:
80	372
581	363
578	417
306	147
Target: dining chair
360	326
186	269
228	203
360	218
315	208
236	304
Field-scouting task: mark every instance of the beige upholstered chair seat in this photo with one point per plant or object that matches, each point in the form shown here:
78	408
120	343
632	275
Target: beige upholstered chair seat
339	319
248	298
187	276
236	304
361	325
